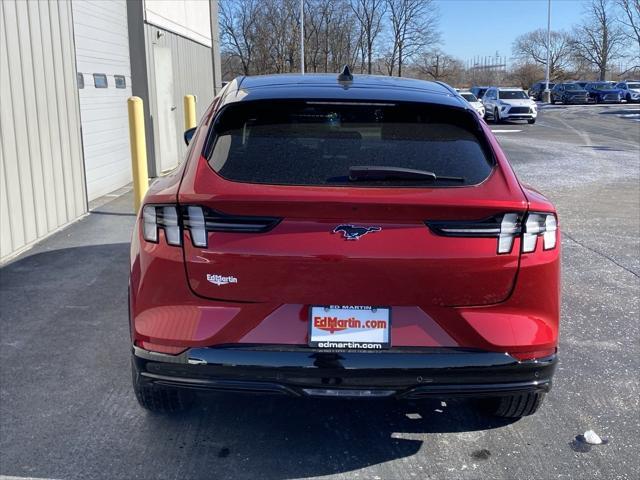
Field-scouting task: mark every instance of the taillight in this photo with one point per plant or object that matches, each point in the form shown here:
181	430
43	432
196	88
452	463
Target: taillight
195	221
198	221
201	220
506	228
156	217
539	224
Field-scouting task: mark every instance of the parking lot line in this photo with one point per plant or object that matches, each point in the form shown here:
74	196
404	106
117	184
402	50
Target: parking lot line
506	131
5	477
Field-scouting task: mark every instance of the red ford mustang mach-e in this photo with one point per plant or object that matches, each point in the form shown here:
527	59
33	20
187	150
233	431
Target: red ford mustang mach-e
349	236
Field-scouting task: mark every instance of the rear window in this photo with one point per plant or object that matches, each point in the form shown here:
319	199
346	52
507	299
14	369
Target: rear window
316	143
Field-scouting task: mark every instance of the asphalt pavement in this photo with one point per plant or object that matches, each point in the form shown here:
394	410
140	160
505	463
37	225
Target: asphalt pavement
67	409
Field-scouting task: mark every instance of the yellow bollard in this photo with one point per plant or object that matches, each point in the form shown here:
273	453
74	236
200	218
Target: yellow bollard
138	150
189	112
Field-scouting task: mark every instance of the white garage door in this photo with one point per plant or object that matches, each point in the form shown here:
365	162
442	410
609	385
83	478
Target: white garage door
104	82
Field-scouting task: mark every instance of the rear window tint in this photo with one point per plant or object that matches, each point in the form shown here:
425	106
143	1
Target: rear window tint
315	143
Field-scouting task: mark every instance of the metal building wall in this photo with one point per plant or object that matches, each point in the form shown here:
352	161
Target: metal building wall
192	75
42	185
102	47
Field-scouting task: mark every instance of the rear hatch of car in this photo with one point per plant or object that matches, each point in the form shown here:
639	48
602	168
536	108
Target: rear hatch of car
337	203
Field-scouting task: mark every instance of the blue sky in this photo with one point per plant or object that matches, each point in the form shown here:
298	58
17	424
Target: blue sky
482	27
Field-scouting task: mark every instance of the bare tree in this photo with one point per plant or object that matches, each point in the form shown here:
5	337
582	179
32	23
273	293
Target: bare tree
331	34
238	29
631	21
525	74
437	65
413	27
597	40
532	47
369	15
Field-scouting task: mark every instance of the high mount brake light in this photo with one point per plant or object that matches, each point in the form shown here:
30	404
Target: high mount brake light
505	227
198	221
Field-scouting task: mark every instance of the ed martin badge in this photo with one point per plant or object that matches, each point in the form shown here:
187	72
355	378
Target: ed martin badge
221	280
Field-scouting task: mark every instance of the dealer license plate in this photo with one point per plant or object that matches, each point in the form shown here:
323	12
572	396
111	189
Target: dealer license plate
349	327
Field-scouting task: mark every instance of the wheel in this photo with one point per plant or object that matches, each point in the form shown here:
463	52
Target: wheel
553	100
496	115
597	99
157	398
531	121
564	101
516	406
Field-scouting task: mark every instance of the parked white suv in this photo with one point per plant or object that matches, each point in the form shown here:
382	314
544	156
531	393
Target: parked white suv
631	90
473	101
507	103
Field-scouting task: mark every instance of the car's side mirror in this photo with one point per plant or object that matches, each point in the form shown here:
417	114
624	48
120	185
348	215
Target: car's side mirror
188	135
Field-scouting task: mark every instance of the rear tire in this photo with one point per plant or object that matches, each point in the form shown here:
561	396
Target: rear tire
157	398
496	116
516	406
531	121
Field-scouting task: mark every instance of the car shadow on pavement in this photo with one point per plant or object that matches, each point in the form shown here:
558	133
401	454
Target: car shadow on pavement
280	437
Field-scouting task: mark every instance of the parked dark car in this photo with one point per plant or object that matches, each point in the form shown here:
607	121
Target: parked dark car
604	92
569	93
479	91
581	83
537	88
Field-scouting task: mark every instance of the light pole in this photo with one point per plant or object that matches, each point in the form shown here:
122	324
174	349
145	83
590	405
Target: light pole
546	95
302	37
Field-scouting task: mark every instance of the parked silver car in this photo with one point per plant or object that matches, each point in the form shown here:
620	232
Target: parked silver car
631	90
509	103
473	101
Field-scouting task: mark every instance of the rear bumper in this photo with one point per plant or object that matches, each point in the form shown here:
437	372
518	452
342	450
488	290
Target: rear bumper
299	371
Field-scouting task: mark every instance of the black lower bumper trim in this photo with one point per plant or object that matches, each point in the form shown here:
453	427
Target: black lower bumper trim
415	373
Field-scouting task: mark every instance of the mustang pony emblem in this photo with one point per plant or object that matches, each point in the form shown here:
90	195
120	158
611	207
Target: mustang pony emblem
354	232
